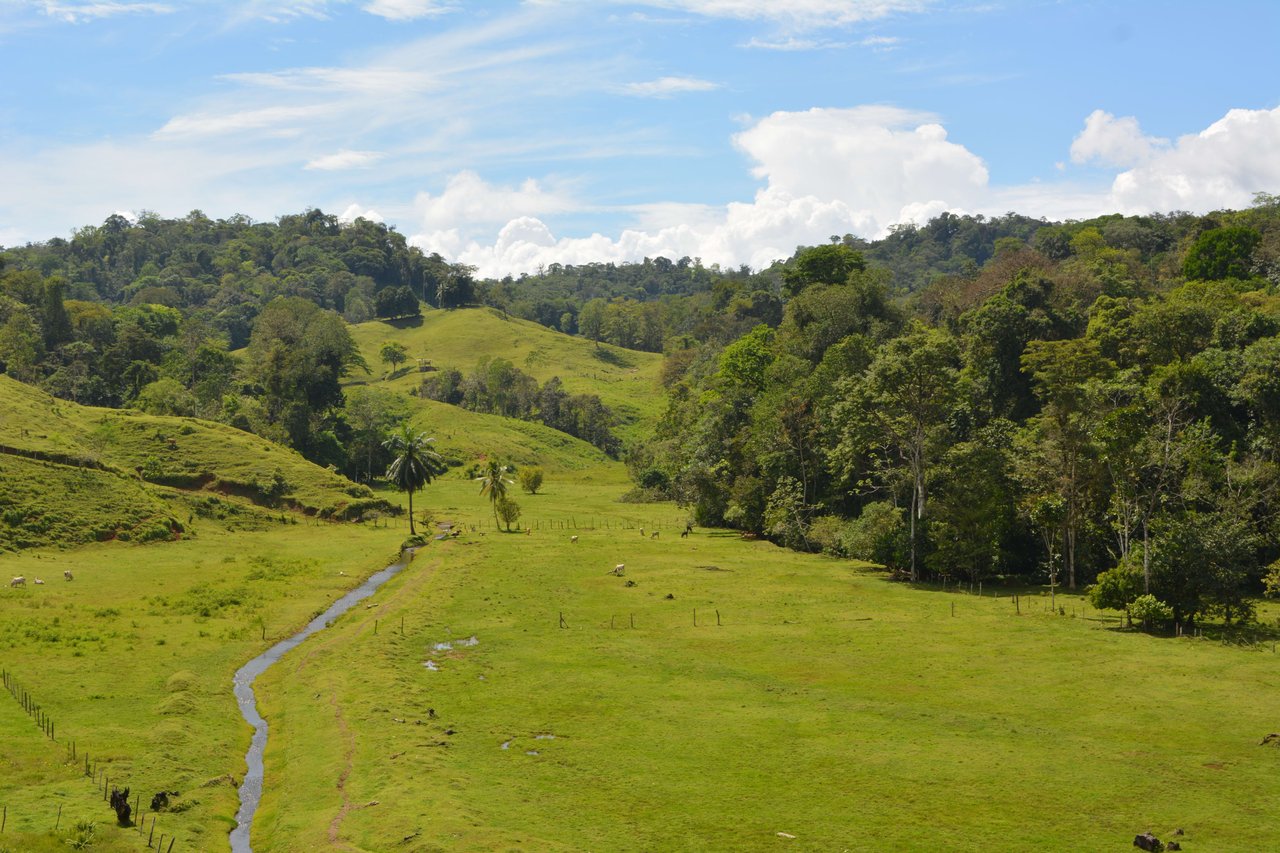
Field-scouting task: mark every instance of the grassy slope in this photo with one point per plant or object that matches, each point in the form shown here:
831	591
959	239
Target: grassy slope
84	483
625	380
467	436
832	705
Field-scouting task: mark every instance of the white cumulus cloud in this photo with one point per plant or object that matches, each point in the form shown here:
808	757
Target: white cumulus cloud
1114	141
355	211
1221	166
826	171
858	170
468	200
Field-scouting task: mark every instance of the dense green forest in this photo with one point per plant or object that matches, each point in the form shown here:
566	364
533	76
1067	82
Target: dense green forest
1101	401
969	399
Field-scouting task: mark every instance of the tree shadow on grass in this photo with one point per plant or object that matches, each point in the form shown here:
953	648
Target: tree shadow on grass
404	322
609	356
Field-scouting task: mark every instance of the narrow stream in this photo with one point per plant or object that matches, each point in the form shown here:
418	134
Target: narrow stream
251	788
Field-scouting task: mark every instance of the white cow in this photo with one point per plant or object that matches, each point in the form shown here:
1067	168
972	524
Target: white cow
573	538
18	581
619	569
68	576
39	582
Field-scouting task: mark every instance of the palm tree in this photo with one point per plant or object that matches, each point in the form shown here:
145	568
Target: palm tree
493	482
415	463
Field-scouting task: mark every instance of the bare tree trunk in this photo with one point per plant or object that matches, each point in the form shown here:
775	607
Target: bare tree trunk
1146	558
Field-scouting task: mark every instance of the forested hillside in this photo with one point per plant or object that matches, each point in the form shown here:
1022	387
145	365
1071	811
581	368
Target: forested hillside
966	399
1102	399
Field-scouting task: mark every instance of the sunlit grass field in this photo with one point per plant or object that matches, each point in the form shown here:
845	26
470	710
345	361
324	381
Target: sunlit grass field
812	698
133	661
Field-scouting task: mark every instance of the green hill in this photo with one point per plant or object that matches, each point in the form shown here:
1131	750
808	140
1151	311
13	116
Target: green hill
74	473
463	436
625	380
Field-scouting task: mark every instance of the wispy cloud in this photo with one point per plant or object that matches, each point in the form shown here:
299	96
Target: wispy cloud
370	79
76	13
796	14
408	10
666	87
791	43
344	159
881	44
278	120
277	11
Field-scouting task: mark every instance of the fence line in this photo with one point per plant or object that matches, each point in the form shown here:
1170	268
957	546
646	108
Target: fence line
109	792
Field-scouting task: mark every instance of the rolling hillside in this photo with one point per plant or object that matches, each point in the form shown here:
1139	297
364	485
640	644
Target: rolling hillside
625	380
73	474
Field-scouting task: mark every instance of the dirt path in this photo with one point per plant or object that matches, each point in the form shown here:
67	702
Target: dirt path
347	734
348	763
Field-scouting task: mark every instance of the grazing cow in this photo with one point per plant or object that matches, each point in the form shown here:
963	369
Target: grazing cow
573	538
39	582
654	535
619	569
641	531
18	581
66	575
1147	841
688	528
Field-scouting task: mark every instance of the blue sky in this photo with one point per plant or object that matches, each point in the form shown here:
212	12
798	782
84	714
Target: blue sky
514	134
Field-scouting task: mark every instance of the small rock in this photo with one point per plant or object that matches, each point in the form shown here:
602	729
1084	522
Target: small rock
785	835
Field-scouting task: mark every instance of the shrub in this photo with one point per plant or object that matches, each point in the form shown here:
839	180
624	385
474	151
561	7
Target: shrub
530	479
1116	589
1271	580
827	532
508	511
878	535
1150	611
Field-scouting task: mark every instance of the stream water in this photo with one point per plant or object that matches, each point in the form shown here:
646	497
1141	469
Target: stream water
251	787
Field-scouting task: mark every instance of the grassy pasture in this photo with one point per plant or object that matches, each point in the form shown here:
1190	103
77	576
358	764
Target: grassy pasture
133	660
829	704
625	380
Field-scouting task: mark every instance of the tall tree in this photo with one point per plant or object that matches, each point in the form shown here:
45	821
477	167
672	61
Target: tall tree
370	412
1062	460
493	482
415	464
298	353
898	410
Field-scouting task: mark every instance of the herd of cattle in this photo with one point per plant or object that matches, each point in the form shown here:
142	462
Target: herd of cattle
20	580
